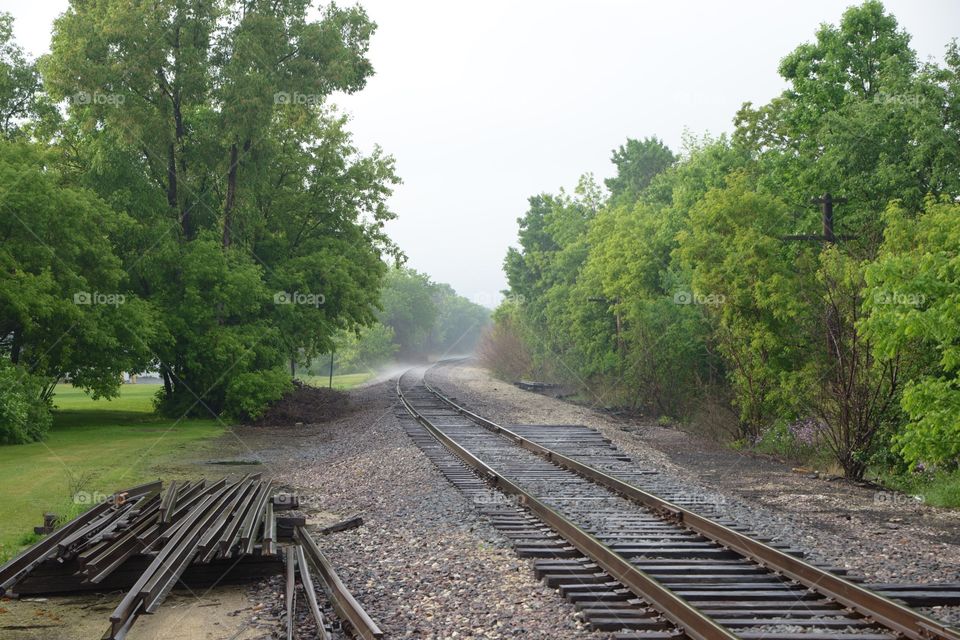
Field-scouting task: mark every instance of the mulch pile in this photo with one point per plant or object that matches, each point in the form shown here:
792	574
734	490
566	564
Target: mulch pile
306	404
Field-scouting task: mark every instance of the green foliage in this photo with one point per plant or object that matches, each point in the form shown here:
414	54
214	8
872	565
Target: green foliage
250	393
704	277
935	488
779	441
427	318
63	307
365	350
860	118
746	276
638	162
913	299
24	411
409	310
241	209
19	83
459	322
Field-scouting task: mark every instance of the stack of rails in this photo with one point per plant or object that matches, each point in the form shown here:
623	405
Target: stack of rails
151	538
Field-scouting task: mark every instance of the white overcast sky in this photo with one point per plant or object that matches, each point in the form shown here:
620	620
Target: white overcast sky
486	103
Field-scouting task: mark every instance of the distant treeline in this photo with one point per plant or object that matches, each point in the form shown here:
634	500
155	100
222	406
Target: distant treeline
419	320
699	286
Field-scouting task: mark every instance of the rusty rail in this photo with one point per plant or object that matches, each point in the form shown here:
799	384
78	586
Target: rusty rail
346	606
885	611
676	609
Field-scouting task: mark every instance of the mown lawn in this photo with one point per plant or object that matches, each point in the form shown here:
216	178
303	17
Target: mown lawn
94	446
345	381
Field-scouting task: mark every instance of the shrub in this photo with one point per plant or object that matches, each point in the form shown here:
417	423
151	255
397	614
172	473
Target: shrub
797	440
24	413
502	349
249	394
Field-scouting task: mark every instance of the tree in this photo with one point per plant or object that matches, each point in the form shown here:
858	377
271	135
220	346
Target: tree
459	322
258	227
912	301
428	318
637	162
19	82
61	306
362	351
862	119
62	313
855	391
744	276
410	311
712	265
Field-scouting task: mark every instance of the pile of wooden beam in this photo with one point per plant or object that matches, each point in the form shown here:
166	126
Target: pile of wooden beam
147	540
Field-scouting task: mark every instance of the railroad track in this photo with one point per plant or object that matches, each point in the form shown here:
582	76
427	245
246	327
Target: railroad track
146	541
636	554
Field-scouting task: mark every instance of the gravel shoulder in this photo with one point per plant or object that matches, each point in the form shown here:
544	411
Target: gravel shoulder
884	538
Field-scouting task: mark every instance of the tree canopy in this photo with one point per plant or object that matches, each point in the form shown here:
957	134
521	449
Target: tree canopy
181	196
700	286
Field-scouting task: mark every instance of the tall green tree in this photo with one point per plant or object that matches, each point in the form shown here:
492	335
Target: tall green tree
19	82
861	119
63	313
259	228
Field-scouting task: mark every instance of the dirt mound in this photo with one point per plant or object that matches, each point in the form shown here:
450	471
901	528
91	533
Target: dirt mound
305	404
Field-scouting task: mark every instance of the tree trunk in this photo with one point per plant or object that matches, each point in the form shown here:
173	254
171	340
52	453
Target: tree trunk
16	347
231	199
167	382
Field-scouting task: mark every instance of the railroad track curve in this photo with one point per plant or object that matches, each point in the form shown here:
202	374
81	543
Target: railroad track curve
625	545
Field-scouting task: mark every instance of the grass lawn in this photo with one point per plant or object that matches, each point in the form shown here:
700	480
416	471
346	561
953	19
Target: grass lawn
94	446
345	381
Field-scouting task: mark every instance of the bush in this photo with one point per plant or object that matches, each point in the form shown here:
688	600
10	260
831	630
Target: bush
797	441
502	349
24	414
249	394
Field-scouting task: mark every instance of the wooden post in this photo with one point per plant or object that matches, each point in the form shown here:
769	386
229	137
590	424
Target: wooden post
826	203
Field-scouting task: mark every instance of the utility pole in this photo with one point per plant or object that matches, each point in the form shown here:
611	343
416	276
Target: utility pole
619	321
828	237
826	203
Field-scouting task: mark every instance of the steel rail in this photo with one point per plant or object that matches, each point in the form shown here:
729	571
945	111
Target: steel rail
21	564
884	611
311	594
346	606
676	609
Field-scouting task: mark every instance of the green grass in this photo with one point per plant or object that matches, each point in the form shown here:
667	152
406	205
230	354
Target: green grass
94	446
345	381
940	489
